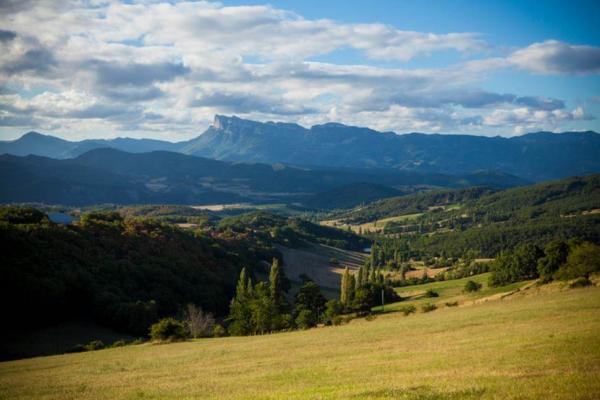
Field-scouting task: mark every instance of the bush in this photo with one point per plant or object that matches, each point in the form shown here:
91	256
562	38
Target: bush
472	286
333	308
338	320
219	331
407	310
95	345
428	307
78	348
580	282
168	329
306	319
431	293
119	343
452	304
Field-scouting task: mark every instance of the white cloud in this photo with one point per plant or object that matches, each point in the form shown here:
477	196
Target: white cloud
166	68
554	57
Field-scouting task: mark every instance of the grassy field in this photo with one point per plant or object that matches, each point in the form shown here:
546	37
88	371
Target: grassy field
538	343
375	226
452	291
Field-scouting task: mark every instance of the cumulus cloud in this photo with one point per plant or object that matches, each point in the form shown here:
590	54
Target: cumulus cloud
167	67
552	56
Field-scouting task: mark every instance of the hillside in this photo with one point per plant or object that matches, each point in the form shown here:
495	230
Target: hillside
349	196
486	222
545	344
113	176
533	157
34	143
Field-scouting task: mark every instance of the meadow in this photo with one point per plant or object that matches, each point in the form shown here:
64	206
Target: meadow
536	343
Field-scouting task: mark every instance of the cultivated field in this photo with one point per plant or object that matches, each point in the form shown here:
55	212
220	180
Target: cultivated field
539	343
315	262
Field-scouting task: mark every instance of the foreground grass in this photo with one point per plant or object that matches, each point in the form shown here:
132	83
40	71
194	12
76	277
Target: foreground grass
542	345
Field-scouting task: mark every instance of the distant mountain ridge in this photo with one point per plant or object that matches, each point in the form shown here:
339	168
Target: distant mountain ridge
114	176
534	156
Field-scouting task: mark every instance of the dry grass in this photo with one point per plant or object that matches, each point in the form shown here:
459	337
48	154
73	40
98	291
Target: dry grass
545	345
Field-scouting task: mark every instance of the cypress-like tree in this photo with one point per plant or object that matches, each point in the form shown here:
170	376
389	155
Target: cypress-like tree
239	310
344	291
351	288
279	284
359	278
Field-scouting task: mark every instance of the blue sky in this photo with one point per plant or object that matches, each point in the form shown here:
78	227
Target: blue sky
163	70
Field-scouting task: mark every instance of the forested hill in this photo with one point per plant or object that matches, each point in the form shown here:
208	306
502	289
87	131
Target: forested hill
113	176
411	204
493	222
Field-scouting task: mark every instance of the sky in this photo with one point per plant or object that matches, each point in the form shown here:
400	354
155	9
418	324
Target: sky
163	69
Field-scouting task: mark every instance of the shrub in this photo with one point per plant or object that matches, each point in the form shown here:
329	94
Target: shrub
370	317
306	319
431	293
580	282
472	286
333	308
338	320
219	331
95	345
428	307
168	329
119	343
452	304
78	348
407	310
138	341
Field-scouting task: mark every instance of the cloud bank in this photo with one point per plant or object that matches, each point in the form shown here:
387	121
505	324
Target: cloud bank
164	69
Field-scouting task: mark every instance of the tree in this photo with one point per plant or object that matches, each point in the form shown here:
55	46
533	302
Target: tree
200	324
555	255
263	310
278	285
517	266
309	297
583	260
359	277
344	289
239	311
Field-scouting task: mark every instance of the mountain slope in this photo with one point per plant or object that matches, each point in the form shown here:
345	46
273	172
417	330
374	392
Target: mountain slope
534	157
113	176
33	143
537	156
486	223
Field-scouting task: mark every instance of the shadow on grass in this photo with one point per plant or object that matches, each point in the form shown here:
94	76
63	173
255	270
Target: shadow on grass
420	393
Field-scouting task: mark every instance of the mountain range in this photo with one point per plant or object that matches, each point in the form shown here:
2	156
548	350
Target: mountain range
533	157
113	176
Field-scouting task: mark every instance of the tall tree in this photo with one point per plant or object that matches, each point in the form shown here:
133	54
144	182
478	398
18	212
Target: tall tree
343	286
278	283
239	310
